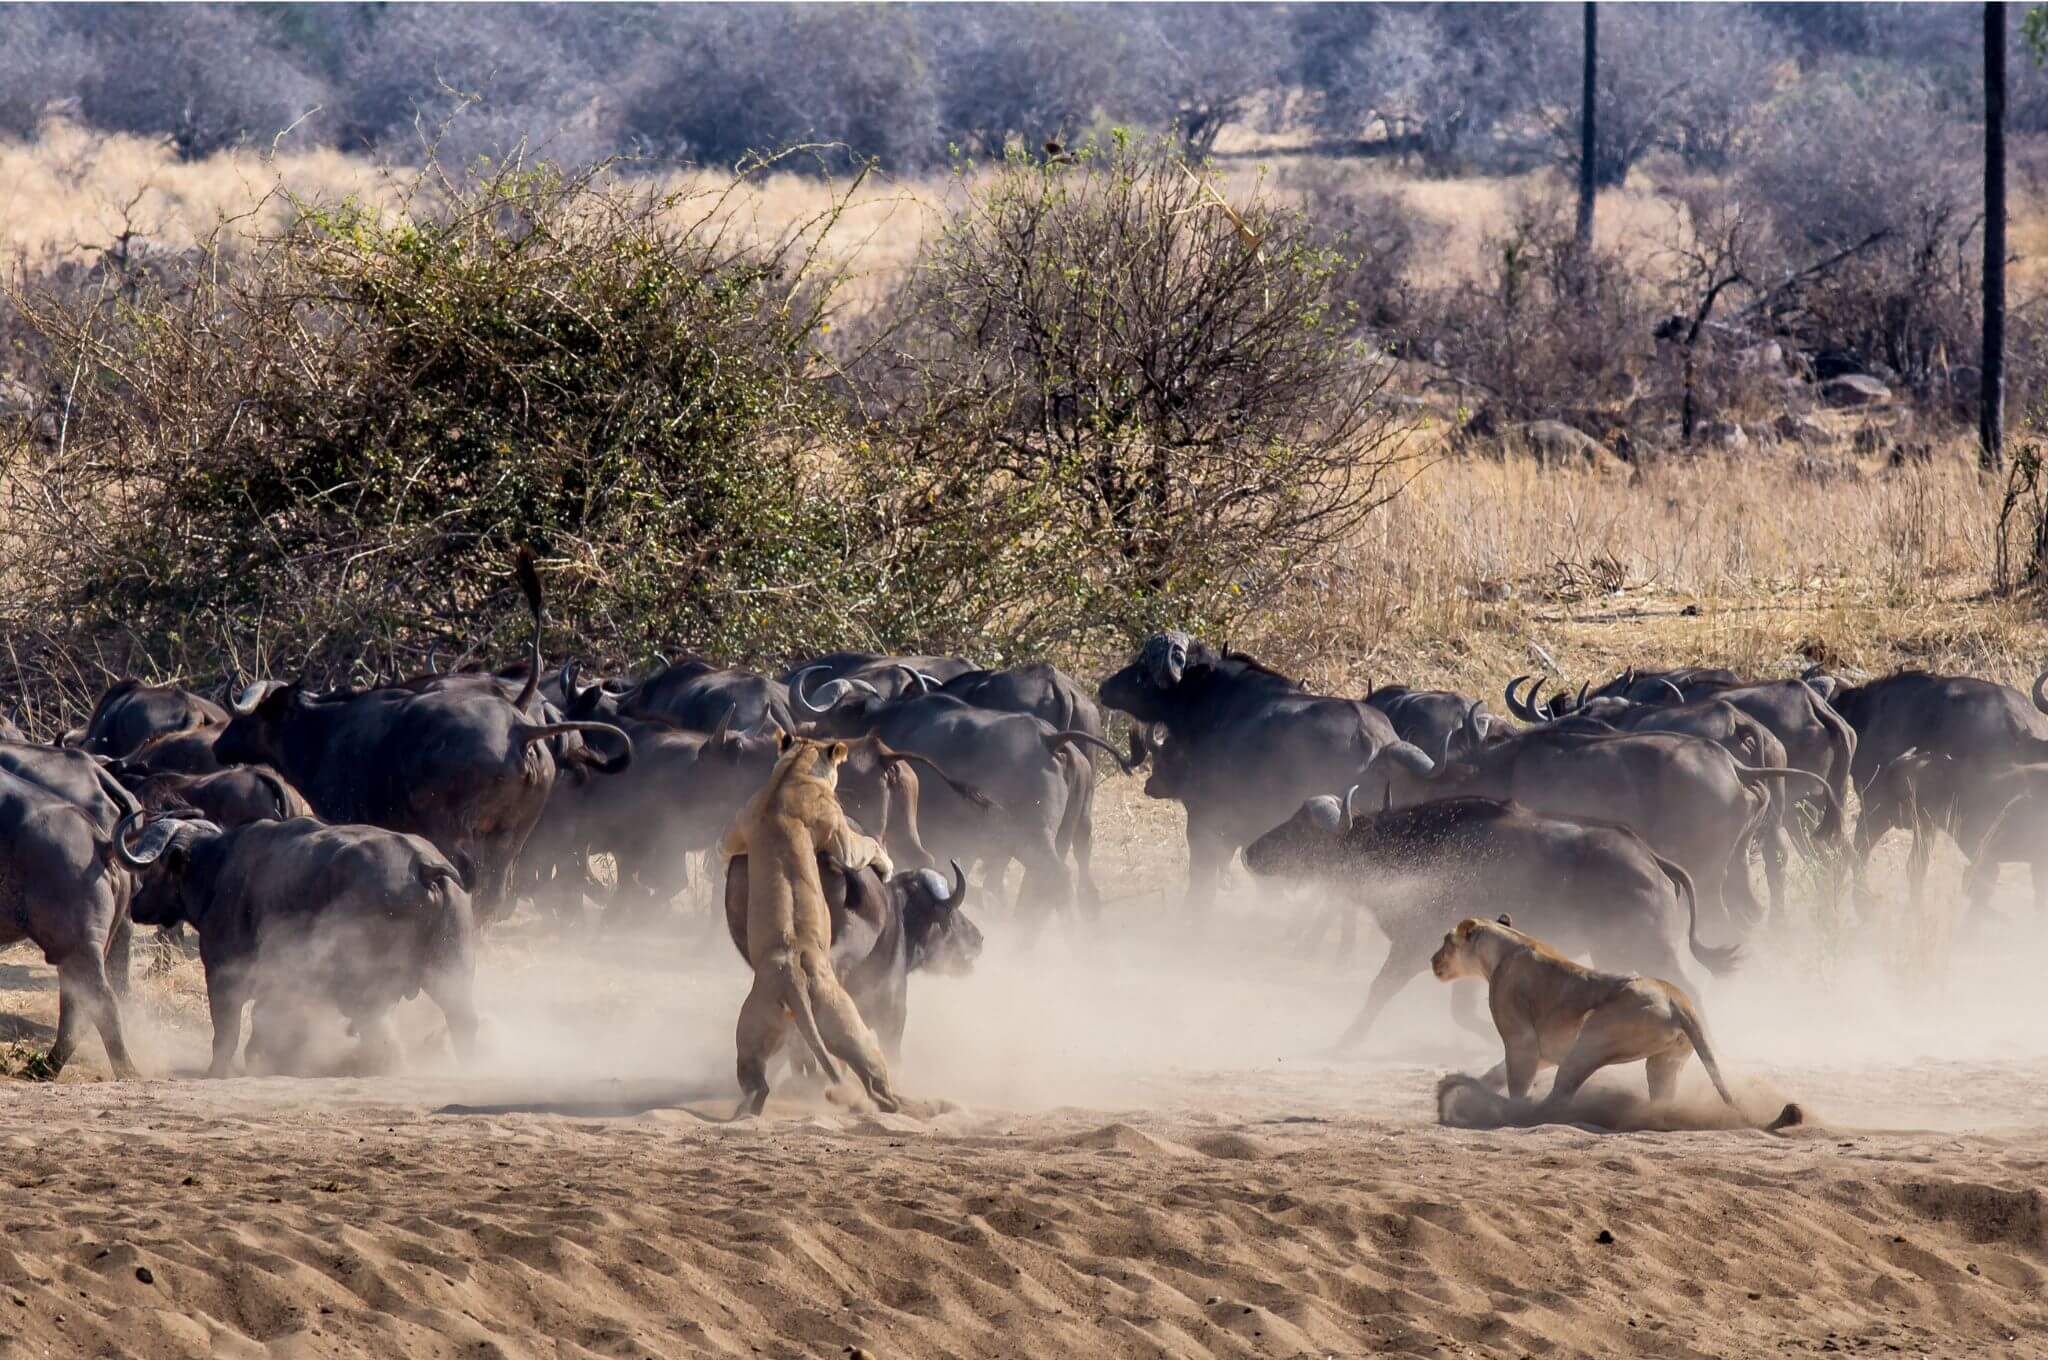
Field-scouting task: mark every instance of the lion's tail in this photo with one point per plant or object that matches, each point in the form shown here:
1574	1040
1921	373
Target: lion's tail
796	984
1689	1021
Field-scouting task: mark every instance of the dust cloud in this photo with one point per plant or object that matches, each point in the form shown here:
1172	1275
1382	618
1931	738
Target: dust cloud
1878	1020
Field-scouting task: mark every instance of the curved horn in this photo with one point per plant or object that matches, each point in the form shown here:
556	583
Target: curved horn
661	660
433	661
1475	732
1517	706
1678	695
924	683
803	700
959	888
2041	691
1539	710
1628	679
1350	794
1579	702
1409	757
1326	812
930	682
155	837
718	736
245	703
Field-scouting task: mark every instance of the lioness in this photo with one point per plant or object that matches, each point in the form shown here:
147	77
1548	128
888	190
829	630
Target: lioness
782	831
1552	1011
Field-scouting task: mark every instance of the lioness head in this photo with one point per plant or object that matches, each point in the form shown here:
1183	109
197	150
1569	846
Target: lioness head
809	756
1456	957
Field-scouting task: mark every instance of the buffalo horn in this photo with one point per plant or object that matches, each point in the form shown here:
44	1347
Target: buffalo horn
1517	706
155	837
1349	795
1325	812
2041	691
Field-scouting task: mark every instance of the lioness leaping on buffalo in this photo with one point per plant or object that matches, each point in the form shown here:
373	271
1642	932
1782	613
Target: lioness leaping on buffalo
1553	1011
782	831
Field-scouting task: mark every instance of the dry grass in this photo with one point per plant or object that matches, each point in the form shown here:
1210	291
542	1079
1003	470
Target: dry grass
1479	562
1744	562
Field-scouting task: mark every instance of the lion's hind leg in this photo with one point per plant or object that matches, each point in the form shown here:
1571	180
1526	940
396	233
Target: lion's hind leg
848	1037
758	1035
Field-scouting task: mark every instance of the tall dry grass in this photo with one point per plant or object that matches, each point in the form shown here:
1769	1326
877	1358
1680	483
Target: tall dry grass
1485	567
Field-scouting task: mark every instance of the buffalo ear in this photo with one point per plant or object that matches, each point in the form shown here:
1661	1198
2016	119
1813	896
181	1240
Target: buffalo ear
1503	918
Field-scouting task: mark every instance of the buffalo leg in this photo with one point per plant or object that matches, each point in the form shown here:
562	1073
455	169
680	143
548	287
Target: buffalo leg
1405	958
121	954
454	993
85	996
1084	864
225	997
1776	847
1208	856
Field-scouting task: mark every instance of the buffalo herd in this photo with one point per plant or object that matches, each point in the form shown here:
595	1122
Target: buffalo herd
347	847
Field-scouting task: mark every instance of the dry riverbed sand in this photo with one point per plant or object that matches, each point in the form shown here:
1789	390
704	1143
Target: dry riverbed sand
1141	1150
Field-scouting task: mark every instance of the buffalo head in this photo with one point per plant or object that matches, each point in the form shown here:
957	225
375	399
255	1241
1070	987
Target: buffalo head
938	935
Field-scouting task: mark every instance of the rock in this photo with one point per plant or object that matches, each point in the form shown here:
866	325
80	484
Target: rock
1855	389
1553	441
1604	1238
1769	356
145	1275
1800	427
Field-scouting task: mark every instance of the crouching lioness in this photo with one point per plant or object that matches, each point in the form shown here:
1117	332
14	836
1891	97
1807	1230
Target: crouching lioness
782	831
1551	1011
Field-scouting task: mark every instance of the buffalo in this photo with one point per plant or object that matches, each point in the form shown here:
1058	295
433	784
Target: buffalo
1589	888
1978	722
356	916
1244	746
1689	798
461	764
61	890
230	798
131	712
1043	793
692	694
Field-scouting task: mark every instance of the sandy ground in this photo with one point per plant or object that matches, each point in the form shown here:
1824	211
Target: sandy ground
1139	1149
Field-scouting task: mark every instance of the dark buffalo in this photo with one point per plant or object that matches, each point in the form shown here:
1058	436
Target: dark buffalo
1814	735
1247	745
61	891
186	752
131	713
1045	692
892	676
461	765
882	932
1979	722
1043	792
691	694
1425	717
1689	798
1743	737
229	798
1588	888
1929	792
677	798
289	912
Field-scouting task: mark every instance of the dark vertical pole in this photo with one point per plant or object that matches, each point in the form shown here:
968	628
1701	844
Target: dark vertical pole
1586	114
1991	418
